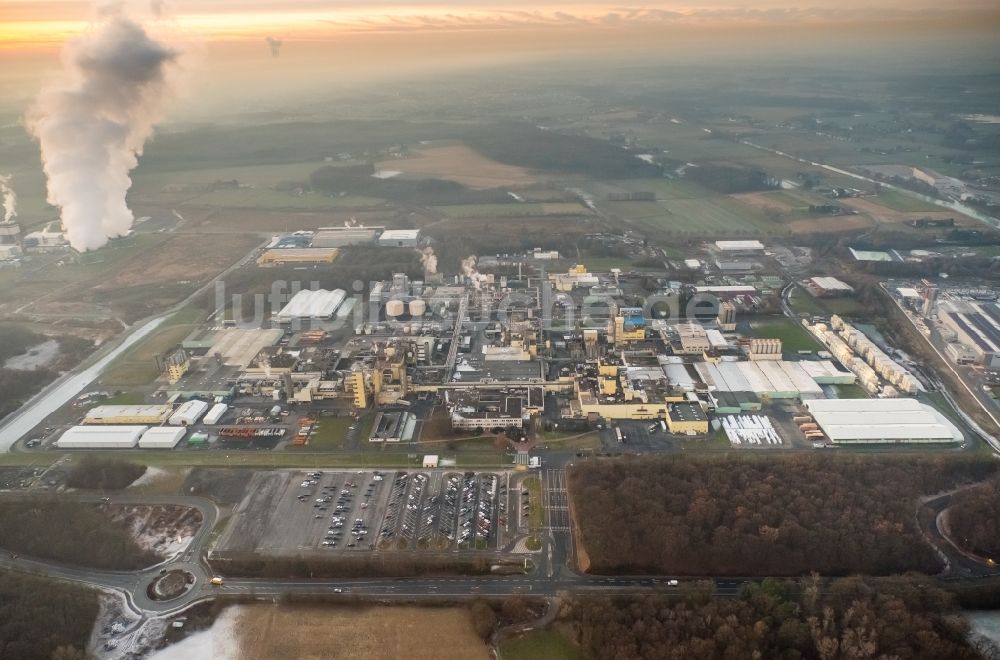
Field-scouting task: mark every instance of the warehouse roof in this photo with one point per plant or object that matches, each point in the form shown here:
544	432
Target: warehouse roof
739	245
881	419
101	436
686	412
318	304
108	412
400	235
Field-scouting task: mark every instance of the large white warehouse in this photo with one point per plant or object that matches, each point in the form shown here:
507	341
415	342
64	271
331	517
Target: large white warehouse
162	437
189	413
309	304
215	414
101	437
881	421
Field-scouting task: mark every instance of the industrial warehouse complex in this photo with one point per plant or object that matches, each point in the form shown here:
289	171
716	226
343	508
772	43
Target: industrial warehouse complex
516	346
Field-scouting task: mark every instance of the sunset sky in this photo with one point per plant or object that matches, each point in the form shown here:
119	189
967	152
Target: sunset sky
339	43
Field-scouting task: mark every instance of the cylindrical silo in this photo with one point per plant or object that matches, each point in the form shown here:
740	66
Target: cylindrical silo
394	309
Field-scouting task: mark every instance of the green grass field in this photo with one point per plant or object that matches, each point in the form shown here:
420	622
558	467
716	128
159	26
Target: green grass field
851	392
792	335
802	302
902	202
512	210
539	645
330	433
138	365
844	306
267	198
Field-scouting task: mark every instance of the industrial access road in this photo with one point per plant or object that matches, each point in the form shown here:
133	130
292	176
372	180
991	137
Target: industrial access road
62	390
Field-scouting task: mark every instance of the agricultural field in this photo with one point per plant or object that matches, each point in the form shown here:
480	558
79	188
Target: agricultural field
457	162
539	645
268	198
296	631
512	210
904	203
138	365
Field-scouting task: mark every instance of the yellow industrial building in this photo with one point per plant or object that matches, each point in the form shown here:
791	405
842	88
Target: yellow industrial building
136	414
282	256
686	419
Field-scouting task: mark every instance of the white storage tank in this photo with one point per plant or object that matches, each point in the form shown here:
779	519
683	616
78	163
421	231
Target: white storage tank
417	308
394	309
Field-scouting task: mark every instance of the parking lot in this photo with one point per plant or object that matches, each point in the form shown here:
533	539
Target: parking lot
289	512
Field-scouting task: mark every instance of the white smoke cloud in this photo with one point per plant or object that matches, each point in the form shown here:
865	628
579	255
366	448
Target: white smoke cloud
9	198
428	260
470	271
92	125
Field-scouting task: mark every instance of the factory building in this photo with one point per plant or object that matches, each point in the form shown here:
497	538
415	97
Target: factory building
739	247
356	387
309	304
101	437
765	380
976	326
629	325
692	339
188	413
175	364
399	238
882	421
828	287
335	237
686	419
491	410
395	426
577	276
135	414
285	256
162	437
762	349
727	316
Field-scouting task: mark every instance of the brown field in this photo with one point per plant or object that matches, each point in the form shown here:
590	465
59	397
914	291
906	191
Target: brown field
462	164
829	225
504	228
182	257
314	632
764	201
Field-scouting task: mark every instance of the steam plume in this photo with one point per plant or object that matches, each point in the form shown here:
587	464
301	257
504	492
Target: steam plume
274	45
92	126
428	260
9	198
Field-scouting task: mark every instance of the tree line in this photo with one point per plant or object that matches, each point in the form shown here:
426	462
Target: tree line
780	620
974	522
43	619
750	516
69	532
101	473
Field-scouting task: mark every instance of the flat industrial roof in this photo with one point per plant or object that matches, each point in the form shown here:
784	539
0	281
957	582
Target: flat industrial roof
881	419
739	245
399	235
119	436
103	412
686	412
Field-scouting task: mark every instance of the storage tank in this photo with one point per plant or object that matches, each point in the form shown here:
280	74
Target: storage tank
394	309
417	308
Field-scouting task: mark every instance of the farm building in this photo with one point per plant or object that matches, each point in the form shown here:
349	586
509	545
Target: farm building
101	437
881	421
189	413
162	437
136	414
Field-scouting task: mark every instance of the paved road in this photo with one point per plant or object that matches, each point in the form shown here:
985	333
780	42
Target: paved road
61	391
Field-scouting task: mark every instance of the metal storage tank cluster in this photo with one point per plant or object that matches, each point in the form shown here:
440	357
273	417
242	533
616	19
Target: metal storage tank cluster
883	365
417	307
394	309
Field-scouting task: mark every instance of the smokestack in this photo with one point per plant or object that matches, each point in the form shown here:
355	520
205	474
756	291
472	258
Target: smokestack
9	198
274	45
93	123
